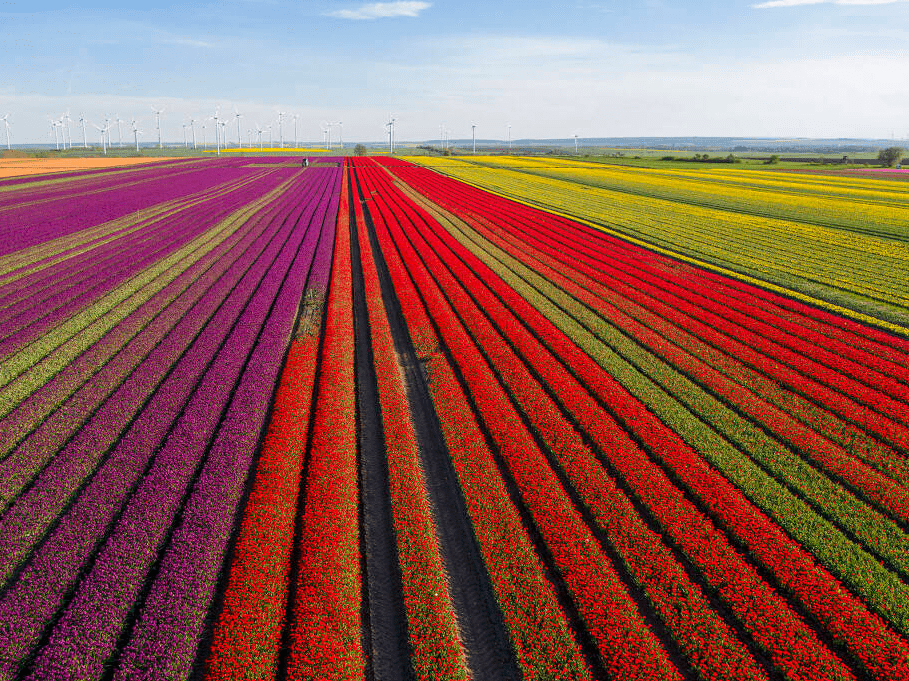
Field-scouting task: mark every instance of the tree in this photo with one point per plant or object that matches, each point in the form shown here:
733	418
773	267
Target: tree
360	150
890	156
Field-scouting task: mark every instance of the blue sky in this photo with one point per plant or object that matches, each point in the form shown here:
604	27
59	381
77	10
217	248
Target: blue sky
784	68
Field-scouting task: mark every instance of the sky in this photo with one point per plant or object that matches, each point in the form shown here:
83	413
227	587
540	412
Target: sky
778	68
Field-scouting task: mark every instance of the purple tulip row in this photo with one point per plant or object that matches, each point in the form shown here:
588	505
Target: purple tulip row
57	210
201	331
50	492
104	599
151	468
105	268
82	385
166	635
71	265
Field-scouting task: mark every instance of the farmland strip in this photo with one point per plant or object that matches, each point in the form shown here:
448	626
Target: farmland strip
589	577
73	540
436	648
540	635
323	637
644	421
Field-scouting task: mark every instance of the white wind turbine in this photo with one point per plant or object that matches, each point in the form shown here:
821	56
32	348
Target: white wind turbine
203	136
103	131
575	145
136	133
5	120
295	117
259	134
84	137
184	135
217	120
158	113
473	127
54	126
238	116
281	116
192	125
391	134
65	129
119	131
224	133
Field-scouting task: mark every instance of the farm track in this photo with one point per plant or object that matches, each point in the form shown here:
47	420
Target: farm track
388	630
483	634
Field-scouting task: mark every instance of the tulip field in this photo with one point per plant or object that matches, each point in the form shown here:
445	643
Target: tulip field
485	418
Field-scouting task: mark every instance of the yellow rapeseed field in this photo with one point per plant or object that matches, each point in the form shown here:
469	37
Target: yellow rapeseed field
837	239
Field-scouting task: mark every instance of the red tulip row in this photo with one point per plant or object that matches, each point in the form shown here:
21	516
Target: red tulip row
735	582
542	640
709	644
601	252
866	636
324	615
625	645
880	535
436	649
247	634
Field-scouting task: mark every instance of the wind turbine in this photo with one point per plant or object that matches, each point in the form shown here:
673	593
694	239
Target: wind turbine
203	136
281	115
136	132
473	127
217	132
192	124
184	136
575	145
65	118
158	113
224	133
5	120
295	117
238	115
84	138
391	135
119	132
509	138
103	141
259	134
54	125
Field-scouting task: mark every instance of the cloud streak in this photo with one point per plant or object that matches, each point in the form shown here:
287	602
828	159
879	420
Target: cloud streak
381	10
798	3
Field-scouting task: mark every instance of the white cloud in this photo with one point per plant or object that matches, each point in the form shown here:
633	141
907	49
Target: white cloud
382	10
795	3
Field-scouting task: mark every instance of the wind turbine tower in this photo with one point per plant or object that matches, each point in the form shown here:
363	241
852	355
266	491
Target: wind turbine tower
391	136
473	127
509	138
238	116
136	134
575	145
281	116
158	113
192	125
119	132
5	120
295	117
84	137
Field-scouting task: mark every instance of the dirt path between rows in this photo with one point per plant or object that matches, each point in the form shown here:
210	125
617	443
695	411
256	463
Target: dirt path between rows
484	635
386	639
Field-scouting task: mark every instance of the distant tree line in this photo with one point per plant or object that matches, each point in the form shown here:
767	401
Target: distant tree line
705	158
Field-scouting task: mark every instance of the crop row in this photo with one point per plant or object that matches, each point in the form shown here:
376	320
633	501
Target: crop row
816	260
115	542
597	381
